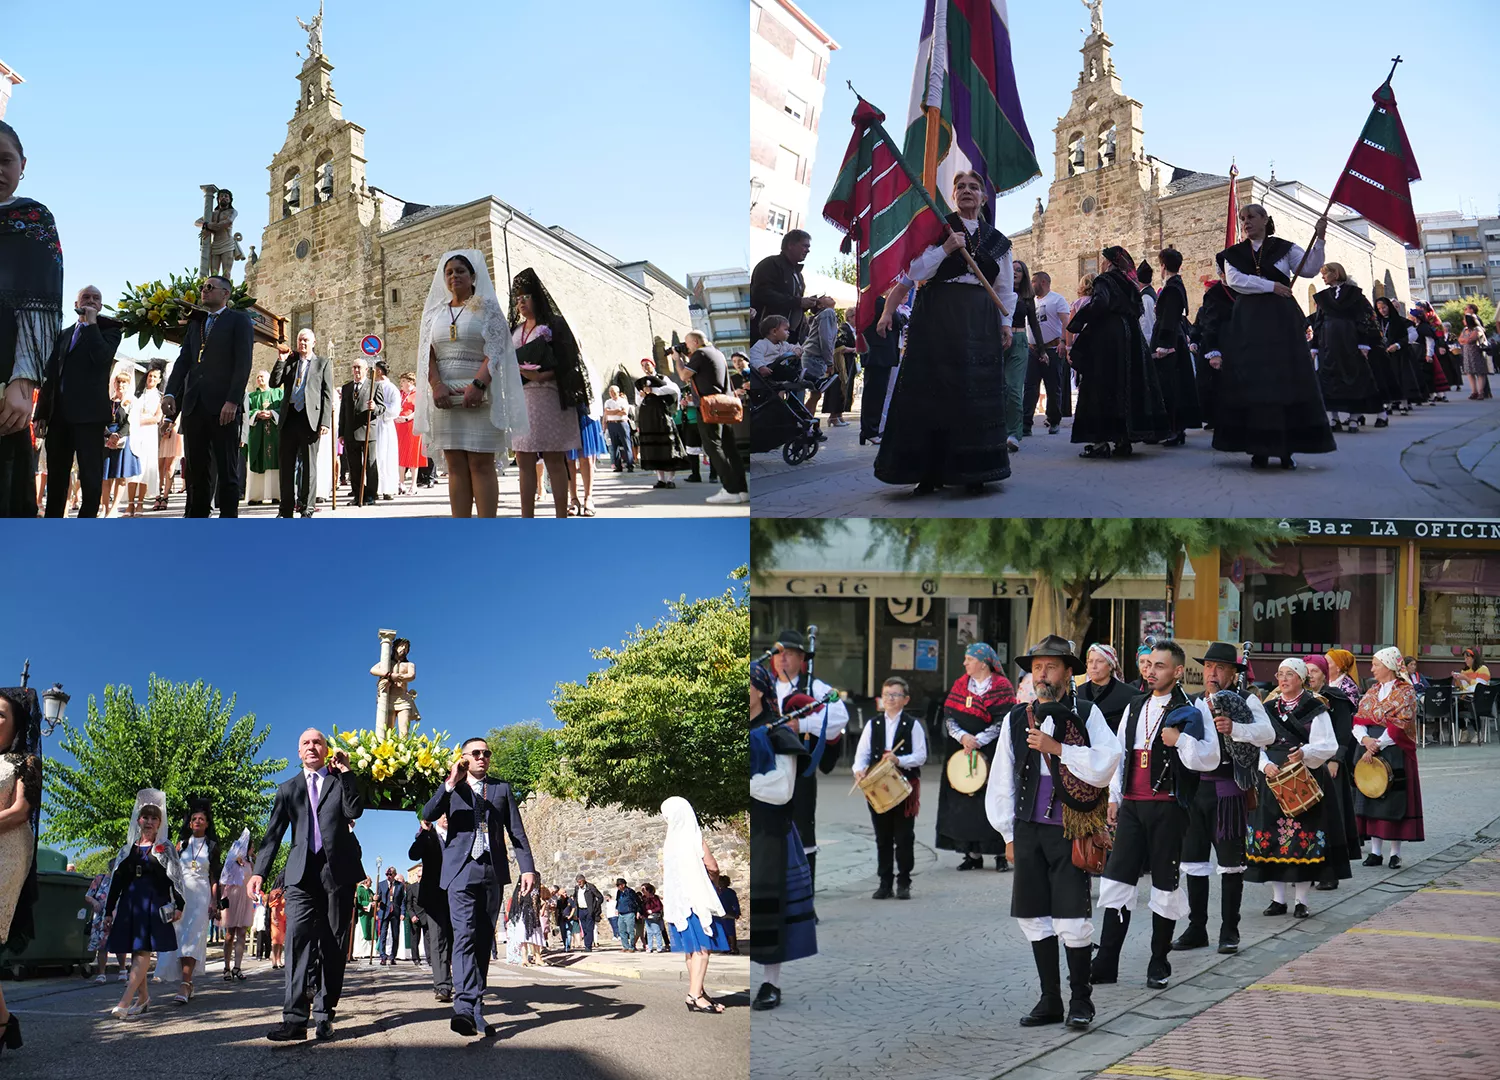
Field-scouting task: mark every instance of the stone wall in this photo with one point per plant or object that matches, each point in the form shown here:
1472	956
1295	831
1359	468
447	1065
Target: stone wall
568	839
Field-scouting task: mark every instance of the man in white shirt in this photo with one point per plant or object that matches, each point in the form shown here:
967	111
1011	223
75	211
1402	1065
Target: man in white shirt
895	735
1166	747
1048	366
826	725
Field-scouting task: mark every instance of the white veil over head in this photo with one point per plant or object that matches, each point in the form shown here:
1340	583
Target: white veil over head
507	407
686	888
233	873
163	850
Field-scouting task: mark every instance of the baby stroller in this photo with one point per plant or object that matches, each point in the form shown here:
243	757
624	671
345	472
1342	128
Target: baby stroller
778	418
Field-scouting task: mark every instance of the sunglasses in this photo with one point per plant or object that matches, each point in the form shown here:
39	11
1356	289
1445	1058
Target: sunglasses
479	753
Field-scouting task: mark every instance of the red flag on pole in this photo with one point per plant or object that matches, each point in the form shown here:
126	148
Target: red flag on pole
1232	221
1377	180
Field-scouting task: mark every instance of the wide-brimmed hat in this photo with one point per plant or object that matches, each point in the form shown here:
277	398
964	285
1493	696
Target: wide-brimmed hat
1051	645
1221	652
792	639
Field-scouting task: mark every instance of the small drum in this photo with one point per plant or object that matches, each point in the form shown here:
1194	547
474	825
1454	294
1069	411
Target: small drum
884	786
1295	789
967	771
1372	777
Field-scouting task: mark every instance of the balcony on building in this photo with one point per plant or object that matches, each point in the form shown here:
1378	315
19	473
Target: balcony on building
1458	272
1462	243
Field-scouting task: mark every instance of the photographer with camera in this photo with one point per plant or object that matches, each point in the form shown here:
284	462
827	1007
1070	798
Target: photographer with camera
705	368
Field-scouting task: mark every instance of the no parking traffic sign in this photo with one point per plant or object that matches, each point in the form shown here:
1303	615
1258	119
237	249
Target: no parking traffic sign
370	345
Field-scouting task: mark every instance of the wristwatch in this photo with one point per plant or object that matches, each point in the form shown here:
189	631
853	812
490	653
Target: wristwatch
479	385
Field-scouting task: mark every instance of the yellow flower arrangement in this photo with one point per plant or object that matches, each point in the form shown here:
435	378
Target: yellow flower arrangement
395	771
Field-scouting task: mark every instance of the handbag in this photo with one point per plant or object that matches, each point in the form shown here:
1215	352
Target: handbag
1090	852
721	409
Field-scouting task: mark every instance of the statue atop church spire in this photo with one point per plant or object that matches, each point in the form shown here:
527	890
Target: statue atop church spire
1096	15
314	33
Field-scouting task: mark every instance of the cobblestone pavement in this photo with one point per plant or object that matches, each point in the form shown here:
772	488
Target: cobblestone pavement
935	986
1409	993
555	1025
1441	460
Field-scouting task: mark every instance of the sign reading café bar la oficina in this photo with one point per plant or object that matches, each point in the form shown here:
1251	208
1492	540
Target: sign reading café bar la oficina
1398	528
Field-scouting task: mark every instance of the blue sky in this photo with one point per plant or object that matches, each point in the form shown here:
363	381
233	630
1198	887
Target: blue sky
624	123
1309	86
497	617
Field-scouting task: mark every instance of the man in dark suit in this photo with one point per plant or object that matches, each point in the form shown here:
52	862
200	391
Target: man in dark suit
589	902
390	900
74	405
306	414
207	388
480	813
433	902
319	803
357	420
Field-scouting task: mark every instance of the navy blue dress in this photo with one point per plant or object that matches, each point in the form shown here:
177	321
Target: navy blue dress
136	895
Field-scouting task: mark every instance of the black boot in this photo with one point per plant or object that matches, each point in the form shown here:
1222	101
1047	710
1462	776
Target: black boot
1106	965
1161	944
1001	866
1196	934
971	862
1081	1000
1049	1010
1233	886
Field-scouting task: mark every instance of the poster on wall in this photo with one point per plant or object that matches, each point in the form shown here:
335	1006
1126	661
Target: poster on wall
1153	624
927	654
903	653
968	630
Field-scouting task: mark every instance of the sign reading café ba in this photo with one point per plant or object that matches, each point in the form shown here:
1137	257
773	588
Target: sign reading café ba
1397	528
863	586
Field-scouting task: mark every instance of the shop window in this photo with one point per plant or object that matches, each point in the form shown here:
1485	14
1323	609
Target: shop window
843	629
1314	598
1459	603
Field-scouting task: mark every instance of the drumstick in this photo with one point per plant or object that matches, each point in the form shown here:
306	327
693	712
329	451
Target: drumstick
899	744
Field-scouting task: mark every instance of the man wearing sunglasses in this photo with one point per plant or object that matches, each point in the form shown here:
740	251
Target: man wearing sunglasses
475	869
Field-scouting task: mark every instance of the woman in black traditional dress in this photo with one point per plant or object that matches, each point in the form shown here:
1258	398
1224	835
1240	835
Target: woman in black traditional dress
1119	395
975	708
31	273
1344	335
1170	352
1270	403
1284	847
1343	833
782	926
1214	313
1394	353
946	422
661	446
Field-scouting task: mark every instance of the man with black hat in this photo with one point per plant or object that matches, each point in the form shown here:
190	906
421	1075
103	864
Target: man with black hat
1049	785
821	731
898	735
1166	747
1218	814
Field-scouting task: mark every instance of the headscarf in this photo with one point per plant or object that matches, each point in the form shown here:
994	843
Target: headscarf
1391	657
1144	649
572	382
1119	259
25	752
981	651
763	681
1316	661
1294	665
507	407
1344	659
1107	651
686	889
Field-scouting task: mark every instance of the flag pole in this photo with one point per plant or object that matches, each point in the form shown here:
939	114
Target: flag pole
931	204
1395	62
934	114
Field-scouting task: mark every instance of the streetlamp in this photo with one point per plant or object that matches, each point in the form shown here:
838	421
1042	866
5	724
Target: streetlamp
54	703
757	185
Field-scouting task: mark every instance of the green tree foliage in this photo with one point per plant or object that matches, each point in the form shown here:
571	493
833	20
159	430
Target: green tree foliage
844	268
523	755
769	535
184	740
1452	313
1080	556
666	717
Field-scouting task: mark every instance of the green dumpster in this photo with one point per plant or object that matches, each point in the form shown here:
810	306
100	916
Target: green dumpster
62	937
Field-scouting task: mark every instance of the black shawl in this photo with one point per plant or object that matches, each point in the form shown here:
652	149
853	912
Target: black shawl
566	361
31	274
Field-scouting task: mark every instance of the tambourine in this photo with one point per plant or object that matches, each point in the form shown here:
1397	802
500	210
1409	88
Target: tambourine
1372	777
967	771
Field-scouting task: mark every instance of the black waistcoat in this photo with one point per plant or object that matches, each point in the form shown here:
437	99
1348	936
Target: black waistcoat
1164	767
1243	258
1029	765
903	738
987	244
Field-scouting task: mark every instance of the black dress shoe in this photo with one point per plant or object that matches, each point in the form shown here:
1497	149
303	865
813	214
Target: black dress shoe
1051	429
1300	912
324	1030
1395	863
285	1032
1288	464
1259	461
768	997
1381	421
882	893
1373	860
1275	907
1001	866
463	1025
445	995
903	892
1326	886
971	863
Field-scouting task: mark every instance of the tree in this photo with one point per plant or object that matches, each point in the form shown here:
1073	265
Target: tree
844	268
1452	313
666	717
184	740
523	755
1079	556
769	535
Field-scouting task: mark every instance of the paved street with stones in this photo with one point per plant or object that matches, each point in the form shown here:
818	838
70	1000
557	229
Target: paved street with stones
606	1015
1441	460
935	986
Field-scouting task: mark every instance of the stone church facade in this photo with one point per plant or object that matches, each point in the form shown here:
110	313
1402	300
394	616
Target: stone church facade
1109	190
349	259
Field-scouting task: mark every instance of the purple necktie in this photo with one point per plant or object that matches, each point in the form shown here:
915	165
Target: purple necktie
312	787
77	329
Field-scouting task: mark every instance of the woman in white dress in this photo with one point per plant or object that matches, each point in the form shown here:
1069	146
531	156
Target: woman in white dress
388	464
198	855
469	400
552	366
144	418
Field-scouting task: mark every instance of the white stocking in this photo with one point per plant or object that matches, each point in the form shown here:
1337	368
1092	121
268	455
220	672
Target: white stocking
1278	891
1395	848
1301	891
771	973
1374	845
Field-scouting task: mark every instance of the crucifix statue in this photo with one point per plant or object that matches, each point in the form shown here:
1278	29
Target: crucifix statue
314	32
1096	15
395	701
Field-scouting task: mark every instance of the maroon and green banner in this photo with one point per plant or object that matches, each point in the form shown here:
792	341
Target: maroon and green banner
1377	180
882	212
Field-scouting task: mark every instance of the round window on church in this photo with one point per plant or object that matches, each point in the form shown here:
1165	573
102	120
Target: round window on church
303	247
1088	206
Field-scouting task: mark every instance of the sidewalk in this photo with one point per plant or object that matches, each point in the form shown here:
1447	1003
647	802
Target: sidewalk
726	974
1410	993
